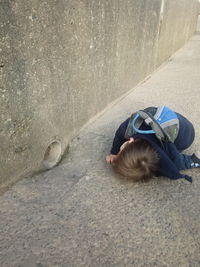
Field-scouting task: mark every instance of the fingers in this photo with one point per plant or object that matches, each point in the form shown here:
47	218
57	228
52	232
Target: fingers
110	158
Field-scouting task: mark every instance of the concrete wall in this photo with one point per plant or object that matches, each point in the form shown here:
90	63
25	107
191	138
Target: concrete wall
63	61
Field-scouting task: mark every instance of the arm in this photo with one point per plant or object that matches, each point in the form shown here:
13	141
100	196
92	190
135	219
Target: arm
119	138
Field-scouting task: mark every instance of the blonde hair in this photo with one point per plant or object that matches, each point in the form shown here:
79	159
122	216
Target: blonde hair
137	161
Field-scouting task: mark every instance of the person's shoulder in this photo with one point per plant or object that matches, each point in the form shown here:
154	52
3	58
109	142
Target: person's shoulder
122	128
125	123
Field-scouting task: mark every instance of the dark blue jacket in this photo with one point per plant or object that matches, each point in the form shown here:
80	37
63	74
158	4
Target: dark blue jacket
169	153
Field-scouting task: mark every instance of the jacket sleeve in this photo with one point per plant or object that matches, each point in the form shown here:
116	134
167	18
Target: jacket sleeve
119	138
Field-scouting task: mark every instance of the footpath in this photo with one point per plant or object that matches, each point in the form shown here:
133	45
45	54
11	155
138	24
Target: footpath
79	214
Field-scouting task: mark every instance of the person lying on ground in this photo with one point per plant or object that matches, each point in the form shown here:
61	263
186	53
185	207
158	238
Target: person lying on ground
142	153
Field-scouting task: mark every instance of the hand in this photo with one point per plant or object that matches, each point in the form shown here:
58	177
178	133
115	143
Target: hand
110	158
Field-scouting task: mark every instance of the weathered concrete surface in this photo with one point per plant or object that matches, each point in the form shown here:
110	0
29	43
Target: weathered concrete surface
64	61
79	214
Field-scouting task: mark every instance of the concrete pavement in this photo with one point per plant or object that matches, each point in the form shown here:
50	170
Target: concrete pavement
79	214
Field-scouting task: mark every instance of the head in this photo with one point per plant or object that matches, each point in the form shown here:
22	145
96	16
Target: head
137	160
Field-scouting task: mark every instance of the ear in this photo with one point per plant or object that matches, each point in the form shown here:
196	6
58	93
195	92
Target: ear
131	140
